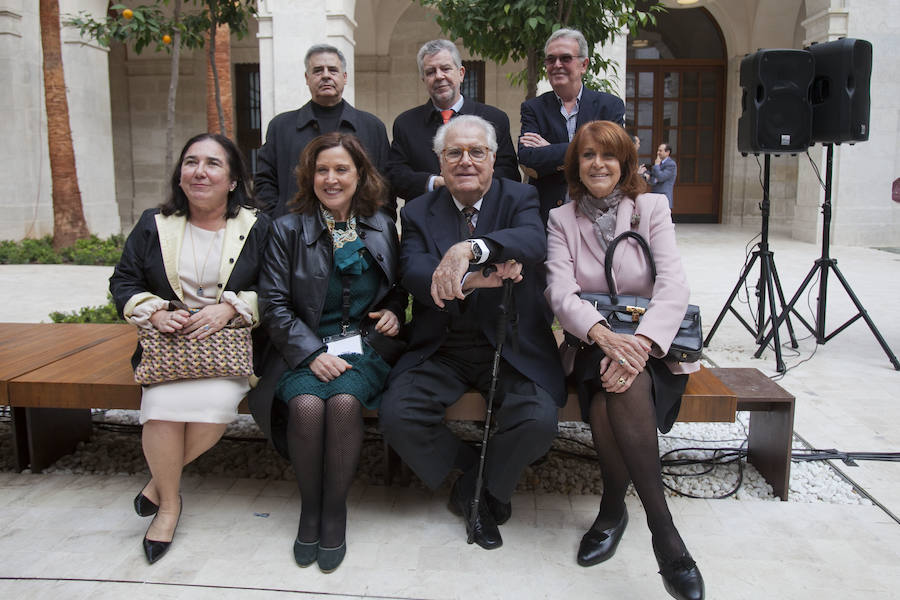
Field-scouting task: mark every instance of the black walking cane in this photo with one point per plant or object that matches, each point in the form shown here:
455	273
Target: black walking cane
502	322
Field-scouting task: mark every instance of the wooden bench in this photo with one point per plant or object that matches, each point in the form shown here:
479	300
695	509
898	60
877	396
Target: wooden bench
69	369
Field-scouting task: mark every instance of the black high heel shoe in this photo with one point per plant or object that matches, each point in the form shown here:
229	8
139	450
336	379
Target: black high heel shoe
155	550
143	505
600	545
681	577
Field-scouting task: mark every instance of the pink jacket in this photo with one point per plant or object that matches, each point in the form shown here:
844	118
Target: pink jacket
575	263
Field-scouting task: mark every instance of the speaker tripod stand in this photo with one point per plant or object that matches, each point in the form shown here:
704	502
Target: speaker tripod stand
767	286
821	267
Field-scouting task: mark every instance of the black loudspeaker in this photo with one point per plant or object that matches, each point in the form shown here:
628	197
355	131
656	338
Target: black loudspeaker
840	91
776	114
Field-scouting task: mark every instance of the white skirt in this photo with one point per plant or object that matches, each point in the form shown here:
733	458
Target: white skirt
212	400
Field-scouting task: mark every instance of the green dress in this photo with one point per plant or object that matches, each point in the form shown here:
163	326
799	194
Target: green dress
366	379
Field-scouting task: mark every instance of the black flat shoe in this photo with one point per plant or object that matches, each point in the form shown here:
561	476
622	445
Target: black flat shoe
483	528
155	550
143	506
330	559
600	545
501	511
305	553
681	577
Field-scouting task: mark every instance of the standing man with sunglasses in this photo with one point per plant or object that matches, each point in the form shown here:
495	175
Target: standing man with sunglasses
413	168
449	236
549	121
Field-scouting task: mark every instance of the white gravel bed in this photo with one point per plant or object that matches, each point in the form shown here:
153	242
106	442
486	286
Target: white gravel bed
570	467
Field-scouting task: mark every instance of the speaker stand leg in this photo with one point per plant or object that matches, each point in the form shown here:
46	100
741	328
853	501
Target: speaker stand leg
822	265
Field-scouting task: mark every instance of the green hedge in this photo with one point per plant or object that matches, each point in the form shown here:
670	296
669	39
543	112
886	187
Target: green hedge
89	314
88	251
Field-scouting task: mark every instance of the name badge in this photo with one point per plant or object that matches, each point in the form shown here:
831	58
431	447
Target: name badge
344	343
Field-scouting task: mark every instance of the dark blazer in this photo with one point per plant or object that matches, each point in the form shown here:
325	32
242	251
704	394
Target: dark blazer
148	267
288	134
292	286
510	222
412	161
541	115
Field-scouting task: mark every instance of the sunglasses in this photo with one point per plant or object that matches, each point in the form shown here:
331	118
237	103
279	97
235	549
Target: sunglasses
565	59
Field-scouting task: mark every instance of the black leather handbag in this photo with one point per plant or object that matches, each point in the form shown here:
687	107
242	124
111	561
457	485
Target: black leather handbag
623	313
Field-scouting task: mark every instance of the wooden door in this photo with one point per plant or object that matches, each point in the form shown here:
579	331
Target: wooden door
681	103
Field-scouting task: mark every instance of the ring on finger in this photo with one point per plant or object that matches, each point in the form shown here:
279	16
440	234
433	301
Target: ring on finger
621	381
622	360
205	327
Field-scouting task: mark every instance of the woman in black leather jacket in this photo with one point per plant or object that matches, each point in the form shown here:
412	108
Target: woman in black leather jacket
329	279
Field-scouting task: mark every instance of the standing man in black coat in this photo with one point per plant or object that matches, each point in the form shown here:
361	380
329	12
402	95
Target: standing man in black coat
275	183
549	121
449	235
413	168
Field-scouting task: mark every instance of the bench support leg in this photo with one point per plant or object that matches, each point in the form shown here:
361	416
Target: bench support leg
769	446
43	435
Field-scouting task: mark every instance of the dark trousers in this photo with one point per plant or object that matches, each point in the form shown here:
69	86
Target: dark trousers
412	417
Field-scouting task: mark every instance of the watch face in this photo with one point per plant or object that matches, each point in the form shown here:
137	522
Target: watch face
476	250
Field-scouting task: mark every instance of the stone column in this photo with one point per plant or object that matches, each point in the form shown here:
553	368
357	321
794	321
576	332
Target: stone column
287	28
25	209
863	213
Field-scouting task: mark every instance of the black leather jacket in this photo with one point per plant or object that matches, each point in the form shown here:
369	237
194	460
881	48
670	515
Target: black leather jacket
293	281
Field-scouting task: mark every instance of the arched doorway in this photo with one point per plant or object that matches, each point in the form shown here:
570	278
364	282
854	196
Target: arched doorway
675	94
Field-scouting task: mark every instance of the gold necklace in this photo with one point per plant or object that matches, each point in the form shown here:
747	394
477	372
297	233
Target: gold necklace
205	260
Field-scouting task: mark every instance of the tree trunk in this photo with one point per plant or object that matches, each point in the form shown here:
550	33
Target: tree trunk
532	66
219	109
68	215
173	89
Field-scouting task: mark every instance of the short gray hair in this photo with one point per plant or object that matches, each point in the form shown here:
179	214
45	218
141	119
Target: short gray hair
324	49
572	34
433	47
463	121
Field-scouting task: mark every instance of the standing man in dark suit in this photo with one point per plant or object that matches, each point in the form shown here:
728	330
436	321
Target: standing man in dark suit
275	183
550	120
663	173
449	235
413	168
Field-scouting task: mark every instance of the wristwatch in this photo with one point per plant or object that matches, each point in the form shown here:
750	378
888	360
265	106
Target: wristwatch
476	251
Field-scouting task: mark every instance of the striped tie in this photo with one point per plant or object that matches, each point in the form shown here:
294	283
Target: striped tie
469	212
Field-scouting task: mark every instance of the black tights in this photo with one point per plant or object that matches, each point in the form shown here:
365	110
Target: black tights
624	430
324	442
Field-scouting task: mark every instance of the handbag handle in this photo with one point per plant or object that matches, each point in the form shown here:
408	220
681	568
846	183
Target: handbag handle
610	251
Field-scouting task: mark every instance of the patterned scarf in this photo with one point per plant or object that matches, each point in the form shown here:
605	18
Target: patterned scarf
350	256
602	213
339	237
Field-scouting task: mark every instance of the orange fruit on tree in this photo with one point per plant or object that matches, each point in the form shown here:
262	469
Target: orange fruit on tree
127	14
167	39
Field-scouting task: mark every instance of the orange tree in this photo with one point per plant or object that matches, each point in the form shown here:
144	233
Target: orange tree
149	26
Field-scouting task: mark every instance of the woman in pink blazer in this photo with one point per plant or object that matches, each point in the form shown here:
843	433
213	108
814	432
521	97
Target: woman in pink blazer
626	388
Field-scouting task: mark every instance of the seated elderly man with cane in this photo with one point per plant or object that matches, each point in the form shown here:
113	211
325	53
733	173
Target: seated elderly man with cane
460	244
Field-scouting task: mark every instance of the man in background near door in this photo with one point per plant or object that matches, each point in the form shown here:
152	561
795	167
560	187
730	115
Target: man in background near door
663	172
550	120
275	183
413	168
